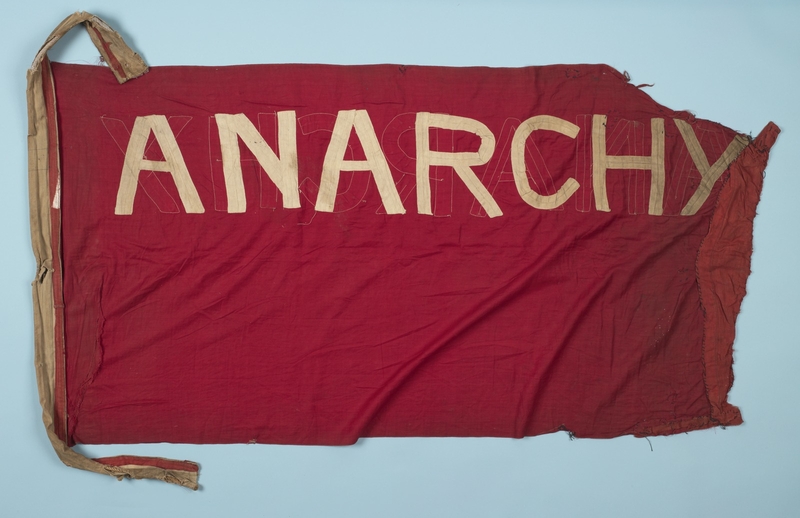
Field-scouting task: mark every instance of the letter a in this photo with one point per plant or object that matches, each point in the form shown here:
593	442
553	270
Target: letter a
334	162
135	163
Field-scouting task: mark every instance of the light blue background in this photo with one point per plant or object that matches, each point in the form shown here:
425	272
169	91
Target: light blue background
731	62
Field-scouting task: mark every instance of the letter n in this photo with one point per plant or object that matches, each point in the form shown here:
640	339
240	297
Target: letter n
282	171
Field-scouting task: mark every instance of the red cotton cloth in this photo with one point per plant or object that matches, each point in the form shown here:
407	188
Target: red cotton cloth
210	312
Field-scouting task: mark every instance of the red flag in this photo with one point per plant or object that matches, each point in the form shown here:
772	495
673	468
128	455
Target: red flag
309	254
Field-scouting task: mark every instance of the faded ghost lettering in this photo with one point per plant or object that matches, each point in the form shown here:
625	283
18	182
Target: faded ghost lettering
281	167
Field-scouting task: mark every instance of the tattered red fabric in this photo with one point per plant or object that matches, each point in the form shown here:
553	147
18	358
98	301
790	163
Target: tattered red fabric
309	254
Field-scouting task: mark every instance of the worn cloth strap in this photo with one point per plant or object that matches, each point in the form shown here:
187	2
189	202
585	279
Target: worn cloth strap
45	221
